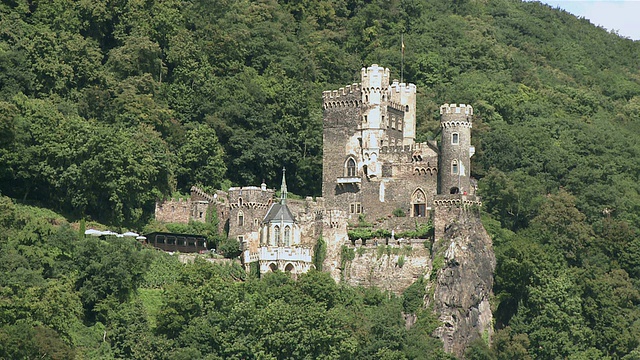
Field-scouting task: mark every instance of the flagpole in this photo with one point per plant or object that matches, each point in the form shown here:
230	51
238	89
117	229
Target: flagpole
402	61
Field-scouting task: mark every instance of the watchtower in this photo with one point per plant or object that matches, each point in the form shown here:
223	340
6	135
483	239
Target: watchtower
455	148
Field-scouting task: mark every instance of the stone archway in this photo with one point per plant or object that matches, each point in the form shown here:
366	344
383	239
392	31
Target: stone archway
418	204
289	268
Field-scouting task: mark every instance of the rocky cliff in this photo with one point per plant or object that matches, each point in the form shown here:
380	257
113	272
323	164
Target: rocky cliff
462	286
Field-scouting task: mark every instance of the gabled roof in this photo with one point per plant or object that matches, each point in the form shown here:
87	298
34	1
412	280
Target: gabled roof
278	212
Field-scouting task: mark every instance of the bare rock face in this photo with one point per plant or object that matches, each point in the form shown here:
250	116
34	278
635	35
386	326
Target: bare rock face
463	285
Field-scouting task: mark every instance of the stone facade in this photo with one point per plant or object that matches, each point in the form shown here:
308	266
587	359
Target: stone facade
374	171
181	210
372	165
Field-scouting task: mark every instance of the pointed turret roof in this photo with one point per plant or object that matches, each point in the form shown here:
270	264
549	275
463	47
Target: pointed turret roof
280	212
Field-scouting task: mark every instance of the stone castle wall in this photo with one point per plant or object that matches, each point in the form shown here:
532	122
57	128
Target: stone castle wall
174	211
387	267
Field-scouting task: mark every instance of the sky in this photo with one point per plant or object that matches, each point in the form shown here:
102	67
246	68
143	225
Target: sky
620	15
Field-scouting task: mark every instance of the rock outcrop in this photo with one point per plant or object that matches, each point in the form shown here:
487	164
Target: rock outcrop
462	286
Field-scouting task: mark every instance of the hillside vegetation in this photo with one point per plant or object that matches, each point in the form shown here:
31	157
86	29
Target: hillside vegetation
106	106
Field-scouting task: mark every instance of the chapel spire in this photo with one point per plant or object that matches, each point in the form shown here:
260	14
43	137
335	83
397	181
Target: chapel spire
283	187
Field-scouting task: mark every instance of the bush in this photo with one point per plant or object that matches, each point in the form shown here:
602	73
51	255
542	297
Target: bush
229	248
399	213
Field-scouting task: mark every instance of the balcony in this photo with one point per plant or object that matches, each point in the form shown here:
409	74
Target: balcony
349	180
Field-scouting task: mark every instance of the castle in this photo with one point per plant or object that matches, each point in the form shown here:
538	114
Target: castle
372	169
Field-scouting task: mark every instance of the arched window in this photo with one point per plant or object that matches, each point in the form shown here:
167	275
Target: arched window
276	235
454	167
240	218
419	204
287	236
240	202
351	168
399	124
455	139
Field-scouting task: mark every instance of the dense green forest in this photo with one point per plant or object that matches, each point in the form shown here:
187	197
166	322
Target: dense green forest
108	105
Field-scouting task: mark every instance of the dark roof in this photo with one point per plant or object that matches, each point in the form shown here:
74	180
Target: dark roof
149	235
278	212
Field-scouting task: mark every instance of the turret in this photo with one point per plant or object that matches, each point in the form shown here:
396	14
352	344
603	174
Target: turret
456	149
375	85
405	96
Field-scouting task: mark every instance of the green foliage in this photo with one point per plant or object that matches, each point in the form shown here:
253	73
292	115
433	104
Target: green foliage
230	248
399	213
347	254
400	261
422	231
413	297
368	233
319	253
106	109
164	270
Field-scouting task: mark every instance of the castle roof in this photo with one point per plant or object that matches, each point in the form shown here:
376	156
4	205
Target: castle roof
278	212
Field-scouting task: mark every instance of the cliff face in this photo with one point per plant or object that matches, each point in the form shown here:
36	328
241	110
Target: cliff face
463	285
387	268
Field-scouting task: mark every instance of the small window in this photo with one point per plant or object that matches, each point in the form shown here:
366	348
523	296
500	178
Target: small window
355	208
200	214
399	124
455	139
255	222
393	122
240	239
406	108
364	118
240	202
351	168
240	218
454	167
276	235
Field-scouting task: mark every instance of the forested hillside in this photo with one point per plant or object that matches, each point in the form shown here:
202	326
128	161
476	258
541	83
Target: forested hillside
106	106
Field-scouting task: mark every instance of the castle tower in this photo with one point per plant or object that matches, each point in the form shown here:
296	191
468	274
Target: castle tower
375	88
456	149
404	96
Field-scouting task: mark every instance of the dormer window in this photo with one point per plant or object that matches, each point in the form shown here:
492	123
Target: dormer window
455	139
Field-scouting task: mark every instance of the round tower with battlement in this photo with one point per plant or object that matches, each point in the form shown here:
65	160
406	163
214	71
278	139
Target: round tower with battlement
455	149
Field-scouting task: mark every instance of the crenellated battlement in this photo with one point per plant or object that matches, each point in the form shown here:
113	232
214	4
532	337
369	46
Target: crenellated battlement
375	77
343	91
456	109
398	87
345	97
197	192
